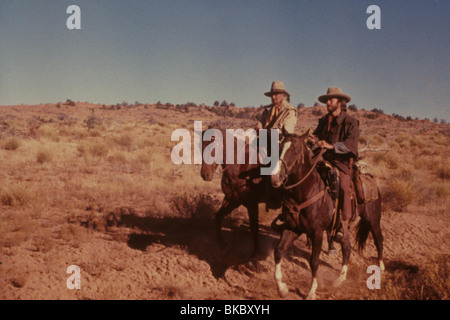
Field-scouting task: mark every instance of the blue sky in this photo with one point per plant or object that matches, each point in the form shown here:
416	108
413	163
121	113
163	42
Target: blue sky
200	51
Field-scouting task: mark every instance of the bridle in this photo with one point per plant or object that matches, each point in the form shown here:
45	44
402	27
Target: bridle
289	168
291	205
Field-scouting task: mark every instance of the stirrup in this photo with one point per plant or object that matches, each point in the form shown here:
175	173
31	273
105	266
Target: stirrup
341	232
339	236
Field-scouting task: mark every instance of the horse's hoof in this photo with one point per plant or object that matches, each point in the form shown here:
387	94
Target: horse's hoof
283	290
382	267
311	296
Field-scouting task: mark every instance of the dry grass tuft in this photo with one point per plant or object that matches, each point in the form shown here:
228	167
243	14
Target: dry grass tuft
430	282
443	171
399	194
11	143
43	156
94	148
14	195
197	206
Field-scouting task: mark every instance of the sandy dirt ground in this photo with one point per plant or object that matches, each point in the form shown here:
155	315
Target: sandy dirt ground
142	257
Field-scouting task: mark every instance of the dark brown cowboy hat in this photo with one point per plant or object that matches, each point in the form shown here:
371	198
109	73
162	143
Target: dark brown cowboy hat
334	93
277	87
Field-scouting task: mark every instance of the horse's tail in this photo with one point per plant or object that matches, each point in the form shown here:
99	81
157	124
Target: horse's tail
362	233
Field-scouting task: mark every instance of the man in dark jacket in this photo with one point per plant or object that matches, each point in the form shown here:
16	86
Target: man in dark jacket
338	132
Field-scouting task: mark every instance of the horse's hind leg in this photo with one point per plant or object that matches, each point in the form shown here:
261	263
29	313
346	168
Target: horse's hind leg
371	220
378	239
375	229
346	251
287	237
227	207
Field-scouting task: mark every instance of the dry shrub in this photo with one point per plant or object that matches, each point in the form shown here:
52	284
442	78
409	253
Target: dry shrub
440	190
15	195
390	159
193	206
171	290
377	140
418	142
443	171
125	140
71	233
96	149
11	143
428	152
43	156
404	173
118	157
143	158
49	133
421	163
399	194
429	282
77	133
362	139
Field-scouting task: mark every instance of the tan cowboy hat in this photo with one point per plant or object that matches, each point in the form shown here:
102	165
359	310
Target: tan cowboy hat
334	93
277	87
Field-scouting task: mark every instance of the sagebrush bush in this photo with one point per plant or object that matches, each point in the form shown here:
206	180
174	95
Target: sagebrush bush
391	160
43	156
96	149
11	143
125	140
193	206
400	193
15	195
428	282
443	171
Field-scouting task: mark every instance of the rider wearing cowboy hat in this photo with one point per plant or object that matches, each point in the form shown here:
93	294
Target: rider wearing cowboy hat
338	132
280	114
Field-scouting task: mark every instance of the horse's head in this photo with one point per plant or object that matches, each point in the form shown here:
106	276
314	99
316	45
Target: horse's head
207	170
293	153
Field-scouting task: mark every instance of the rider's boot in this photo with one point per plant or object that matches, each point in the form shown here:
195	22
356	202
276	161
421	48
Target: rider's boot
343	230
333	183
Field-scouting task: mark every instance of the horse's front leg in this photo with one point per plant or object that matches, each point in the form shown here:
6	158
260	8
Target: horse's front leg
228	205
287	237
253	215
317	238
346	251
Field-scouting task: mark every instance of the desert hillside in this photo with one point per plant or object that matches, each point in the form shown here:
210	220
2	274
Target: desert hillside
94	186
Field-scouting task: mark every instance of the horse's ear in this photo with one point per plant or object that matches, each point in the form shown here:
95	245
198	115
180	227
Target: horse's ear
305	136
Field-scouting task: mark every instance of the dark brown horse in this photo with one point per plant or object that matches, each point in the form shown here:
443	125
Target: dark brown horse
241	184
308	208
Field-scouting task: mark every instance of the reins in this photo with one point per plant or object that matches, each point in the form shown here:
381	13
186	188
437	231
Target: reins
307	175
292	207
